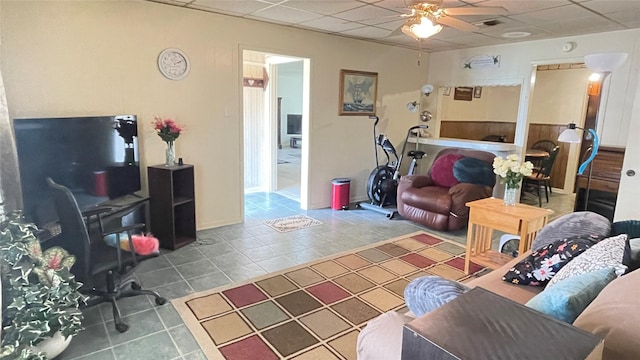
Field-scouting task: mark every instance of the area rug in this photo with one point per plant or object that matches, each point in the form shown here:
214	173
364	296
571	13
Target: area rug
290	223
315	311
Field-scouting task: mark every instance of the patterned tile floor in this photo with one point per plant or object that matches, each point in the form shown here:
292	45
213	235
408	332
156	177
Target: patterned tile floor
227	255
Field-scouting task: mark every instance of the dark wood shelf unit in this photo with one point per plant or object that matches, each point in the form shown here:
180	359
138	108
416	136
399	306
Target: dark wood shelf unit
172	205
597	188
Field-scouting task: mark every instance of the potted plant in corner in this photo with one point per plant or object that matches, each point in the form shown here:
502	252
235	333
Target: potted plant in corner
40	297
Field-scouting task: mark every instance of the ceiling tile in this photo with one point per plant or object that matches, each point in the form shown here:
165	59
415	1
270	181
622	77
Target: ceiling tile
331	24
609	6
553	15
369	31
235	7
324	7
367	12
519	7
579	26
286	14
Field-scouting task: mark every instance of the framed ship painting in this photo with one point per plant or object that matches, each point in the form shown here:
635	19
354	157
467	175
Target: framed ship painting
358	92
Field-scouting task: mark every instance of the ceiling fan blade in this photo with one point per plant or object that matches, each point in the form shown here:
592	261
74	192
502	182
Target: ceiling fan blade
396	32
461	11
457	24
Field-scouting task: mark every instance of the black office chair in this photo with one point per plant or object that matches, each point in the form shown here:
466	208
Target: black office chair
106	272
542	176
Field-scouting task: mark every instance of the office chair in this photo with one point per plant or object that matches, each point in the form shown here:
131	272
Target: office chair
542	176
106	272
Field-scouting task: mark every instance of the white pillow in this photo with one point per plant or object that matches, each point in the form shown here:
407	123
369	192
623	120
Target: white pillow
605	254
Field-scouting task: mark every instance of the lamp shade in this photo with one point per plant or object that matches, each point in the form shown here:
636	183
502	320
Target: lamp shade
427	89
569	136
421	28
412	106
605	62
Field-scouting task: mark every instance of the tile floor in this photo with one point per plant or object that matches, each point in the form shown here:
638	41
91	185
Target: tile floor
224	255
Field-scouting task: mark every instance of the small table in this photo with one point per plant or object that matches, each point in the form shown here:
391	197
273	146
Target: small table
536	156
481	325
294	141
490	214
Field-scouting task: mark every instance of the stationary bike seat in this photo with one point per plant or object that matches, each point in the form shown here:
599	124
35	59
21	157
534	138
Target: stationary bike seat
416	154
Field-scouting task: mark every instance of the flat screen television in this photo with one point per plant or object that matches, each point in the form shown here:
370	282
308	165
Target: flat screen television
96	157
294	124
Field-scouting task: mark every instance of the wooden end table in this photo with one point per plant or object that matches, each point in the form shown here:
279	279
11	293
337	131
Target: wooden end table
487	215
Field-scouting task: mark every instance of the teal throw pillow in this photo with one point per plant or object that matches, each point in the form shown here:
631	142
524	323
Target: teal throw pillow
474	171
569	297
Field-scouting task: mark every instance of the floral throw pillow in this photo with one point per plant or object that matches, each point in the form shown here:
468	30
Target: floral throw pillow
607	253
539	267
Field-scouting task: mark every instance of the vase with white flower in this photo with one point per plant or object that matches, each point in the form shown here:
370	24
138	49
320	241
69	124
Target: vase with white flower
511	171
169	131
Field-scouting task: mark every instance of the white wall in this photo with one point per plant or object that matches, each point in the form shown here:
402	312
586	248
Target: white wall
99	57
290	89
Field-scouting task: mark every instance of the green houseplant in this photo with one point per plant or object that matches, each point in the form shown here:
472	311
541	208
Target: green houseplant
40	296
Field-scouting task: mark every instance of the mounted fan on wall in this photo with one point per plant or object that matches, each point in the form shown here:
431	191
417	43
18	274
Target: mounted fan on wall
427	17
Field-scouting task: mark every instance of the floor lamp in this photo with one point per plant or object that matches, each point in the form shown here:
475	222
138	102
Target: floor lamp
604	64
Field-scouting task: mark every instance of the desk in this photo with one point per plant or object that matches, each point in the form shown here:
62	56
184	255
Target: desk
490	214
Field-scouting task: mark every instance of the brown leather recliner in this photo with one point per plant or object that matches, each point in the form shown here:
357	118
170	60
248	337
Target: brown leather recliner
421	200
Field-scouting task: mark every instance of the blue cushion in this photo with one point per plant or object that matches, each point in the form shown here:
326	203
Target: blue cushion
569	297
427	293
474	171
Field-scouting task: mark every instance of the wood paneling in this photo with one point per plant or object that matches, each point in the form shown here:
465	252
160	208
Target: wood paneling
551	132
476	130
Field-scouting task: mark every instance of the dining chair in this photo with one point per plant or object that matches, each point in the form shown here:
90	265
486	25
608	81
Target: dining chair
542	176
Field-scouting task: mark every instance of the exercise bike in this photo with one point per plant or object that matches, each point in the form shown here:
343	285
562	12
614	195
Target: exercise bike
383	180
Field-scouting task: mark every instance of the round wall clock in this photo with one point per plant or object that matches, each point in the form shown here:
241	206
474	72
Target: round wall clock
173	64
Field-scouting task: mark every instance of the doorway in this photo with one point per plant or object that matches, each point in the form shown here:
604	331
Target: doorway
275	113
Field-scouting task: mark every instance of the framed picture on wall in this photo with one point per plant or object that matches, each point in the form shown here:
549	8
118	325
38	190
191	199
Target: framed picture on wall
358	92
477	92
463	93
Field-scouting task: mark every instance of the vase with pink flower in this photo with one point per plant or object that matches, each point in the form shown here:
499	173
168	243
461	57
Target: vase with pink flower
169	131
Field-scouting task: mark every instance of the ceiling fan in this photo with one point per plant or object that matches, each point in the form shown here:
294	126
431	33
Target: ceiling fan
427	17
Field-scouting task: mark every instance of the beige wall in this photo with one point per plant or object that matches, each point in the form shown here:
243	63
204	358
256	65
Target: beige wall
496	103
559	96
99	57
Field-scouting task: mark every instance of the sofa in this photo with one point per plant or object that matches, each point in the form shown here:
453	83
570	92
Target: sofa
437	199
613	315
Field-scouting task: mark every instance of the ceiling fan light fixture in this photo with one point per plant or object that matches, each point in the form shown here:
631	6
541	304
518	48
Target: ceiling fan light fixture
421	29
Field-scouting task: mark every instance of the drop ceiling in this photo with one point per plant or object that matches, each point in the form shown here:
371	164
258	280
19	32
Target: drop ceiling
378	20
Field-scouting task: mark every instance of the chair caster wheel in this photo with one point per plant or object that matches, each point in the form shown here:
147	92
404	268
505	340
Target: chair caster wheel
122	327
136	286
161	301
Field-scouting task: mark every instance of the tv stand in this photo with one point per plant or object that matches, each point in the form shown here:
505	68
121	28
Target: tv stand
173	209
295	141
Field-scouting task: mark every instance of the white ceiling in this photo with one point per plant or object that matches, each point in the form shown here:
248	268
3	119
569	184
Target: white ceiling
376	20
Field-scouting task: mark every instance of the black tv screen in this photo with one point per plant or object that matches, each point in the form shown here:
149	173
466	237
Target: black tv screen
96	157
294	124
